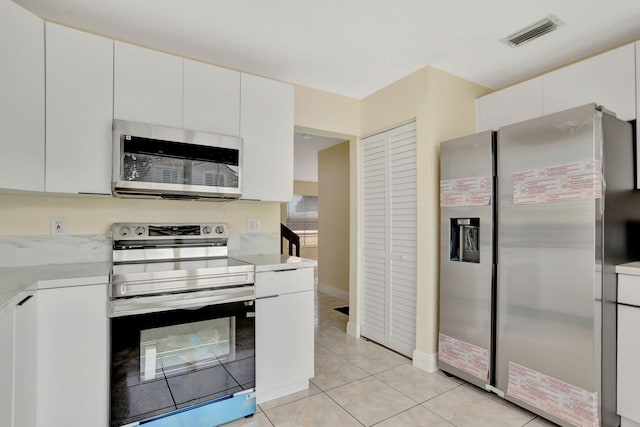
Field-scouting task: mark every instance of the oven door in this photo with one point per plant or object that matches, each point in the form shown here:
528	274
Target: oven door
181	359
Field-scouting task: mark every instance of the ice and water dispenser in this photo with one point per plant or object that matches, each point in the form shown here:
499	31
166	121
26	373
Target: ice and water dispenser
465	240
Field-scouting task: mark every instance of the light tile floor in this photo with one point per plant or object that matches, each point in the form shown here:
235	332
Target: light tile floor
359	383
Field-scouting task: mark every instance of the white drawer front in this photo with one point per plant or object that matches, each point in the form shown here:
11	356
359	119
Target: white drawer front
629	289
269	283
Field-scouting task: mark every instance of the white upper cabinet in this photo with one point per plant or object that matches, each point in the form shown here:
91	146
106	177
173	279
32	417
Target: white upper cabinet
21	98
147	86
266	126
608	79
511	105
211	98
79	111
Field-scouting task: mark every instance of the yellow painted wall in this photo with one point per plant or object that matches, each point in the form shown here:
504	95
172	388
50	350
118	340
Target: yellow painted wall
325	114
323	111
30	214
333	213
443	106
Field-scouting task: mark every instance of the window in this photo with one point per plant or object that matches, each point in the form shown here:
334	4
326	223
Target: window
302	218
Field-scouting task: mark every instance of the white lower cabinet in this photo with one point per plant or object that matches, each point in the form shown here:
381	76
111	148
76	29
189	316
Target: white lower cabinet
24	368
61	358
628	358
284	332
6	365
628	349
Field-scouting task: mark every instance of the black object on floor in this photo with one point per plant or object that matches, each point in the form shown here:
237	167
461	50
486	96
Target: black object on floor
343	310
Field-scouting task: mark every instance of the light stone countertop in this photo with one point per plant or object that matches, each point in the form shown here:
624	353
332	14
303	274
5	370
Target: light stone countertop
15	280
630	268
273	262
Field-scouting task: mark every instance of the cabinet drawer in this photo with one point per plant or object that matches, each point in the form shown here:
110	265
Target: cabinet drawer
281	282
629	289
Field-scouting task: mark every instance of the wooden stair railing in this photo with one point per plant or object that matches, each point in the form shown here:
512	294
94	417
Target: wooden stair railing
291	237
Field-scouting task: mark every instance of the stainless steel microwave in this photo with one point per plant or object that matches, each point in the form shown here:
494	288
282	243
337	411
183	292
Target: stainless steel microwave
162	162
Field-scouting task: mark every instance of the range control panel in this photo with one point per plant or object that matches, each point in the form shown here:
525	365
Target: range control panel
136	231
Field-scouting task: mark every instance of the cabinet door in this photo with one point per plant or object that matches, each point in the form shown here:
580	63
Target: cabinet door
266	126
21	98
628	362
72	369
6	365
511	105
637	109
79	111
607	79
211	98
147	86
25	366
284	342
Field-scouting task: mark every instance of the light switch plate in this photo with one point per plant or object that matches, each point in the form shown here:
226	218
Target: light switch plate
254	225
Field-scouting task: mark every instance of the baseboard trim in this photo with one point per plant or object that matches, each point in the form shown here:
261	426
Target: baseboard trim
425	361
334	292
353	329
282	391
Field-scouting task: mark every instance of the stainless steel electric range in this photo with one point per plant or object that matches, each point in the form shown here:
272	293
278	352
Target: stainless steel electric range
182	327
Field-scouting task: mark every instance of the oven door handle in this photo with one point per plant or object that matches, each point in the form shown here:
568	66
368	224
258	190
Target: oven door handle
119	307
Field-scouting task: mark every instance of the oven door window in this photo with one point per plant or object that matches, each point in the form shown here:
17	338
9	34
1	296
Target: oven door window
165	361
172	350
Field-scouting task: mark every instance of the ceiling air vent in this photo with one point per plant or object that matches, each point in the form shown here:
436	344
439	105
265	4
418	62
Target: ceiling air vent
532	31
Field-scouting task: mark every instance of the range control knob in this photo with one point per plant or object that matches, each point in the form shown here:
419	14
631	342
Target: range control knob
140	230
206	229
124	230
220	229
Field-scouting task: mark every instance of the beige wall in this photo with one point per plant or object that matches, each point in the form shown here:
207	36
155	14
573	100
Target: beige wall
333	213
30	214
323	111
335	116
443	106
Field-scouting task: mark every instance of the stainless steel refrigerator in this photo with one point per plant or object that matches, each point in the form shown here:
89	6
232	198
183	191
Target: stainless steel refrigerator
564	209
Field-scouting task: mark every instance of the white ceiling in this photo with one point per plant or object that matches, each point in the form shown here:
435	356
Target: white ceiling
355	47
305	155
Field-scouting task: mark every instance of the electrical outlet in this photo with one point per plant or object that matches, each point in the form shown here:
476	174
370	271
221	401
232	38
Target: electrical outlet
254	225
58	225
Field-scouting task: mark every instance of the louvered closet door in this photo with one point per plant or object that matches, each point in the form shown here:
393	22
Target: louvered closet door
374	237
403	239
388	183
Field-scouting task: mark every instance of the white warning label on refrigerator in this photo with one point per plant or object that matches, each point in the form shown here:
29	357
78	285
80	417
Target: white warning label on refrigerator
572	181
558	398
474	191
464	356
